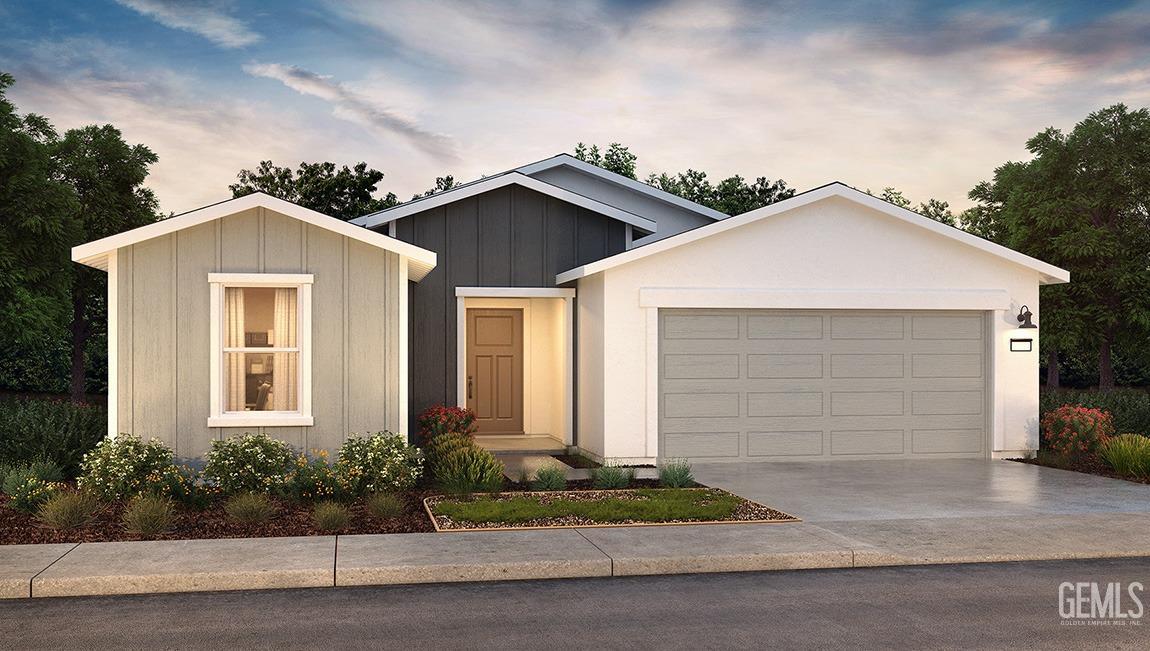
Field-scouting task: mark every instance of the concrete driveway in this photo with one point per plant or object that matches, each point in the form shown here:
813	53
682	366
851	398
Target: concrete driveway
833	491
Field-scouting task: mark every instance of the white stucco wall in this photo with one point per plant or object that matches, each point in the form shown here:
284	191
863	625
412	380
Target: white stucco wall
830	254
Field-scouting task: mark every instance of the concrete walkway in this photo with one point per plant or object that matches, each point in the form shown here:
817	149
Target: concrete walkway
855	515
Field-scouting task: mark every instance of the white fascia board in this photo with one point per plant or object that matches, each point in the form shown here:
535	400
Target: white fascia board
1049	273
513	292
618	179
825	299
495	182
95	254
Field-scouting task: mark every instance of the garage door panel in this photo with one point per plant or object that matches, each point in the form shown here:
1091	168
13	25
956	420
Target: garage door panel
784	444
800	384
867	403
785	403
701	405
867	366
856	442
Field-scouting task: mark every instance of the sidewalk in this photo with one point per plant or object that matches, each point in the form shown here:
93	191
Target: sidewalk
324	561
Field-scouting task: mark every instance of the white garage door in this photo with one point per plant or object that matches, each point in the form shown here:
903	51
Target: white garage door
761	384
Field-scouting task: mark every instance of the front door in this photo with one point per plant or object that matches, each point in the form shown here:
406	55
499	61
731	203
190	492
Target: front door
495	369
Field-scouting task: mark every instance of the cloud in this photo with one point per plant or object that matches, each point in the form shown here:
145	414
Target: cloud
352	106
198	17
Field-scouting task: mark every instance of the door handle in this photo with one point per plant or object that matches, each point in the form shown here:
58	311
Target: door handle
469	387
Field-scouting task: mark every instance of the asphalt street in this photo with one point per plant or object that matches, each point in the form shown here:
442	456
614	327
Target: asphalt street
1007	605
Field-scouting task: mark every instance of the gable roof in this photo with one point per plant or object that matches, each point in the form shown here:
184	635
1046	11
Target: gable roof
95	254
631	184
494	182
1050	274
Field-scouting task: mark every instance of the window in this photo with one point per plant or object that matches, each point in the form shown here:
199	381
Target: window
261	326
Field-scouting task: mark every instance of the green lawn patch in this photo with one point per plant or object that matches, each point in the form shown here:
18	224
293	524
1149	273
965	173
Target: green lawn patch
581	508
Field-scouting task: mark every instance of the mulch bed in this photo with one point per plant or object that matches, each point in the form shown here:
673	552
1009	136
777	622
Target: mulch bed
575	460
1090	465
293	519
746	511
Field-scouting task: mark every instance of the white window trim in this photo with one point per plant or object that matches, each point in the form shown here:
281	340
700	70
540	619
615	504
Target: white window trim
220	418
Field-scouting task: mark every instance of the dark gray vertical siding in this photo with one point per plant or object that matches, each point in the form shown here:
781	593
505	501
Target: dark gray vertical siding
509	237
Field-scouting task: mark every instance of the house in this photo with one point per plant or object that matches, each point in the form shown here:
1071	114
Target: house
571	307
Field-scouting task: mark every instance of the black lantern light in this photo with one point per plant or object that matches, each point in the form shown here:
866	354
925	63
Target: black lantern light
1024	316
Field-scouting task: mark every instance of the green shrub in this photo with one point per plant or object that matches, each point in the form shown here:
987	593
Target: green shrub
331	516
119	467
608	476
549	478
1130	408
469	470
68	509
250	508
251	463
16	476
1128	455
385	505
676	473
180	483
439	420
1074	431
149	515
314	478
28	491
53	430
379	462
441	447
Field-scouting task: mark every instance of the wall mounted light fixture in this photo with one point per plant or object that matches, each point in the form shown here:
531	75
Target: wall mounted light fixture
1024	316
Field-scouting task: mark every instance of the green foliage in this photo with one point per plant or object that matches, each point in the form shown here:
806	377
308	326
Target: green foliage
250	508
28	490
610	476
439	420
733	195
549	478
385	505
16	475
149	515
442	447
380	462
442	184
1130	408
331	516
470	469
676	473
1080	203
344	193
1128	455
59	431
616	158
645	505
251	463
935	209
314	478
68	509
1074	431
120	467
180	483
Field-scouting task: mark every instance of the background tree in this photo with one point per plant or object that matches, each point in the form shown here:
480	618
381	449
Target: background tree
442	184
936	209
35	235
345	193
107	177
1083	203
616	158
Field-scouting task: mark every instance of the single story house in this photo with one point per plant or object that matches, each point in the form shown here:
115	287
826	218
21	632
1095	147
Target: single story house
573	308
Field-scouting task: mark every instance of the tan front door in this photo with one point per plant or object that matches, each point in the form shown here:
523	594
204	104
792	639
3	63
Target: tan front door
495	369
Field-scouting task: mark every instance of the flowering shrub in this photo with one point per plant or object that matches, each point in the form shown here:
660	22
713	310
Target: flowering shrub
377	463
252	463
179	483
313	477
439	419
28	491
119	467
1074	431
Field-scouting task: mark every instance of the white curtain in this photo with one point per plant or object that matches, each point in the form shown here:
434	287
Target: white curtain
234	338
285	385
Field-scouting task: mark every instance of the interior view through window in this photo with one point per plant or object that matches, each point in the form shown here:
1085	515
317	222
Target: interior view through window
261	348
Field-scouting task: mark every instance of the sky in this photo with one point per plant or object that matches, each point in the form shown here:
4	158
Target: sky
927	97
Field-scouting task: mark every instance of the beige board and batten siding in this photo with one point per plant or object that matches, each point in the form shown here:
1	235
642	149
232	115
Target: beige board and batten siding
785	384
164	350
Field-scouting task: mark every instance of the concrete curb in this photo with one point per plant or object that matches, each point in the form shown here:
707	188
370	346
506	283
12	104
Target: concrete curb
390	559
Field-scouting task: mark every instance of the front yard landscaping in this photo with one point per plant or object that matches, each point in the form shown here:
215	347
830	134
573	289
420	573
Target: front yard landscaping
1079	438
596	508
